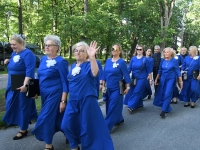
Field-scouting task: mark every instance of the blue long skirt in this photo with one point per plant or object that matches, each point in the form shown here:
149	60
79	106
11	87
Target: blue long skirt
135	95
114	107
190	91
19	109
147	90
164	94
83	123
49	120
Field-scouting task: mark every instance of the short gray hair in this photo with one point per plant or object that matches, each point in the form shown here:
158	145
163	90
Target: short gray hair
82	43
55	39
156	47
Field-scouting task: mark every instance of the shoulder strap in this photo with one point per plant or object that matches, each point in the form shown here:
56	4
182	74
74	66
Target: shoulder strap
142	66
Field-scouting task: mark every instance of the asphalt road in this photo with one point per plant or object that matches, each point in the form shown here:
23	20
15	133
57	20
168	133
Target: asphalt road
142	130
3	80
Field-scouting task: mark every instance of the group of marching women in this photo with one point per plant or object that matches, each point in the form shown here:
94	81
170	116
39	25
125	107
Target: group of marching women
80	117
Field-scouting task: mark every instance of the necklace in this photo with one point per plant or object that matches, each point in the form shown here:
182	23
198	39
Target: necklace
167	62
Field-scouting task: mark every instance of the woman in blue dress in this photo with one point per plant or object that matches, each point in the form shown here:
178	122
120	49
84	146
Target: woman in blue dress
141	70
179	59
148	92
168	72
19	108
83	122
52	75
115	69
98	79
190	91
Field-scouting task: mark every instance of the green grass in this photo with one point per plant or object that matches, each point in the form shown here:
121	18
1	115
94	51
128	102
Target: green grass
4	72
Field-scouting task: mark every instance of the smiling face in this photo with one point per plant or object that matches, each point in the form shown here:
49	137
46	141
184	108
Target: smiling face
80	53
51	48
148	52
139	50
115	51
17	47
167	53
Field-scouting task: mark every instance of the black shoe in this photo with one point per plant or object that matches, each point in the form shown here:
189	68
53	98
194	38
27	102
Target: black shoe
130	110
52	148
162	114
22	135
67	141
192	106
149	97
186	105
117	124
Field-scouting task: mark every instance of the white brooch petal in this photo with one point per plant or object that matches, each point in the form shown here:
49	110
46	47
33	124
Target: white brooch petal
115	65
16	58
76	71
196	57
176	57
51	63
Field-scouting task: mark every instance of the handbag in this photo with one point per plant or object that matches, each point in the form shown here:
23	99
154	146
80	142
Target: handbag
195	74
33	88
122	86
184	75
134	80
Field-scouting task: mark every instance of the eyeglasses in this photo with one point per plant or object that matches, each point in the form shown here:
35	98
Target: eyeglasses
114	49
80	51
139	49
49	45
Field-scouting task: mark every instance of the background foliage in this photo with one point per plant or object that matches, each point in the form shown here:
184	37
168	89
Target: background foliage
128	22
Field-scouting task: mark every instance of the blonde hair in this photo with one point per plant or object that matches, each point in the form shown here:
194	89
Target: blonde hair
19	38
173	54
120	48
194	49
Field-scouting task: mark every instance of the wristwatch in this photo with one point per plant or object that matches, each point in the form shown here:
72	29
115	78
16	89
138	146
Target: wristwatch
63	101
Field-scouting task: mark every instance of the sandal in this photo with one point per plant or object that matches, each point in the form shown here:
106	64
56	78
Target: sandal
52	148
130	110
22	135
187	104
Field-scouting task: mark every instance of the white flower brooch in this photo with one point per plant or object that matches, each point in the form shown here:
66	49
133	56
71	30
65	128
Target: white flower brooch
16	58
76	71
176	57
115	65
196	57
50	63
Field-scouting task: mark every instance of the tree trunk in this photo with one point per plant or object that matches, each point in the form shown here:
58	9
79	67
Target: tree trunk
166	10
20	16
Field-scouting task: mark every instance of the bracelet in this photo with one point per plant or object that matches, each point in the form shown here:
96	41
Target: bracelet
63	101
128	87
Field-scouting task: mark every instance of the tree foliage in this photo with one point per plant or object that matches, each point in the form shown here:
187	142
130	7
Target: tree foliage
128	22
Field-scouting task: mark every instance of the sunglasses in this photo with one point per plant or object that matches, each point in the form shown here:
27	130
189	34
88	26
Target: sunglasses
139	49
80	51
114	49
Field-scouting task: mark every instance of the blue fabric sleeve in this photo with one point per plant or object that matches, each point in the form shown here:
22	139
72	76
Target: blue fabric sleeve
30	62
177	70
125	72
63	70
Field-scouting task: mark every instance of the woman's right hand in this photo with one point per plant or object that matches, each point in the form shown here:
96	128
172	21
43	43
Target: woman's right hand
156	82
6	61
